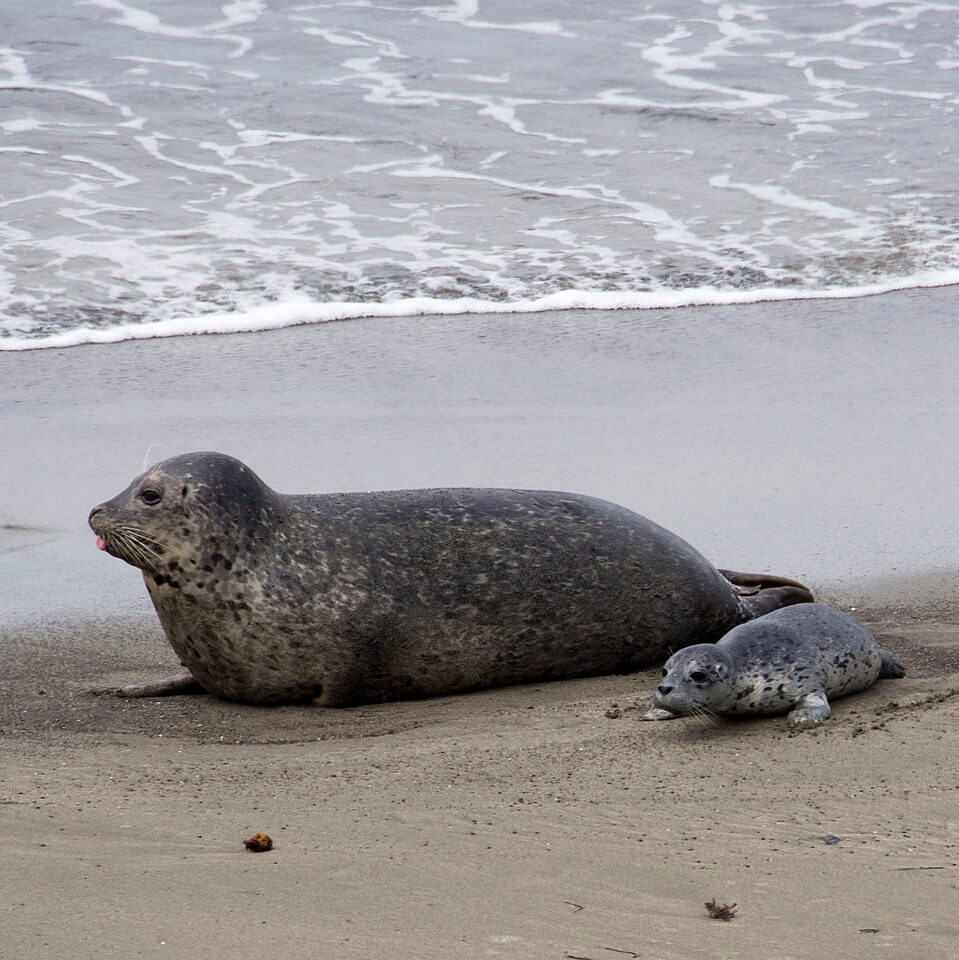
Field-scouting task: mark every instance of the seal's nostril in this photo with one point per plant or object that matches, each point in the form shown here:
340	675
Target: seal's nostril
663	689
94	512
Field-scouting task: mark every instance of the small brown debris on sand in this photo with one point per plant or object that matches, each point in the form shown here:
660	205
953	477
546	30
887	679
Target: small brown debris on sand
716	912
259	842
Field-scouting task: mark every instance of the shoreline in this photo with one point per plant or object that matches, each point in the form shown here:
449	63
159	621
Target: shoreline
279	316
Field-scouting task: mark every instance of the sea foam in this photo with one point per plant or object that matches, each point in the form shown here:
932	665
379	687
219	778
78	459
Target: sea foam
276	316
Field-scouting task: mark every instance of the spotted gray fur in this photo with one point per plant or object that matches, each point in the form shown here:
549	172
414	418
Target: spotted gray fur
795	659
355	597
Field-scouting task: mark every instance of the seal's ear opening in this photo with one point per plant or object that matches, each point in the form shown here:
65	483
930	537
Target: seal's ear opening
184	490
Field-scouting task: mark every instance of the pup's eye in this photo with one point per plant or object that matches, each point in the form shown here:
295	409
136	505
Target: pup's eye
665	671
150	496
697	676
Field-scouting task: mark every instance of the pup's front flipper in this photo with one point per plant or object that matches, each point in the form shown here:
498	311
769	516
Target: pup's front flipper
178	683
658	713
811	709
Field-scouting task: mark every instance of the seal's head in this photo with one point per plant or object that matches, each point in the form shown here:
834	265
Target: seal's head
166	515
696	679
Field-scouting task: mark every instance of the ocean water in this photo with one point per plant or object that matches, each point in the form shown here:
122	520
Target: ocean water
191	166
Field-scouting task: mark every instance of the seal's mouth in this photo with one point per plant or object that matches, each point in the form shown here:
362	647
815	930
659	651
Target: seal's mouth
108	544
128	544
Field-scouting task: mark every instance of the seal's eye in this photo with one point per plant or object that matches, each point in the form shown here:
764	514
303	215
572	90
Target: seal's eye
150	496
665	671
697	676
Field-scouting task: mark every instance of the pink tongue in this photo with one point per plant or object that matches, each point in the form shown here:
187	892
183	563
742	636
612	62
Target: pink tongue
101	543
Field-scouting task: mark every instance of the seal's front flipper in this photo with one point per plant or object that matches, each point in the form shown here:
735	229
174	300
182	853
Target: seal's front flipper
892	668
761	593
178	683
812	709
658	713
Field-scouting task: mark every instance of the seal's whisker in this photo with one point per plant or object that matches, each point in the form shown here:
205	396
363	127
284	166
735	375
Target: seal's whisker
122	545
140	552
130	548
694	715
136	531
117	543
708	721
708	711
133	534
704	716
148	545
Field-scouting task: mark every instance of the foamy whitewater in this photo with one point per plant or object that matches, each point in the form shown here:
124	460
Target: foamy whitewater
180	167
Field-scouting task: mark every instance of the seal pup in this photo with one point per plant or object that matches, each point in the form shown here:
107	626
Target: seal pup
794	659
348	598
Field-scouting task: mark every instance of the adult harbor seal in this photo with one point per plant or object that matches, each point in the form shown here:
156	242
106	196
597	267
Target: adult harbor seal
793	659
348	598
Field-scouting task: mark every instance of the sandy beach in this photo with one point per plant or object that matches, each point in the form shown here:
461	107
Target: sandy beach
811	440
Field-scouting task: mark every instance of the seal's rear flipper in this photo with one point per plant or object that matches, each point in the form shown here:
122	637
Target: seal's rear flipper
761	593
178	683
892	668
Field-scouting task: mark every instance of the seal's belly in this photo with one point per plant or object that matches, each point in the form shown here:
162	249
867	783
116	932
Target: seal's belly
234	657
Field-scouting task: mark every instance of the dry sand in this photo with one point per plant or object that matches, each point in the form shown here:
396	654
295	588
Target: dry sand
803	439
527	822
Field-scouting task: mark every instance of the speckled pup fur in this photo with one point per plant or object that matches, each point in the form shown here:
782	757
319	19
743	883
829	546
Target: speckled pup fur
795	659
354	597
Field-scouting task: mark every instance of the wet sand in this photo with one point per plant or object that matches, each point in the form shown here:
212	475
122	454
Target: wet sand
539	821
